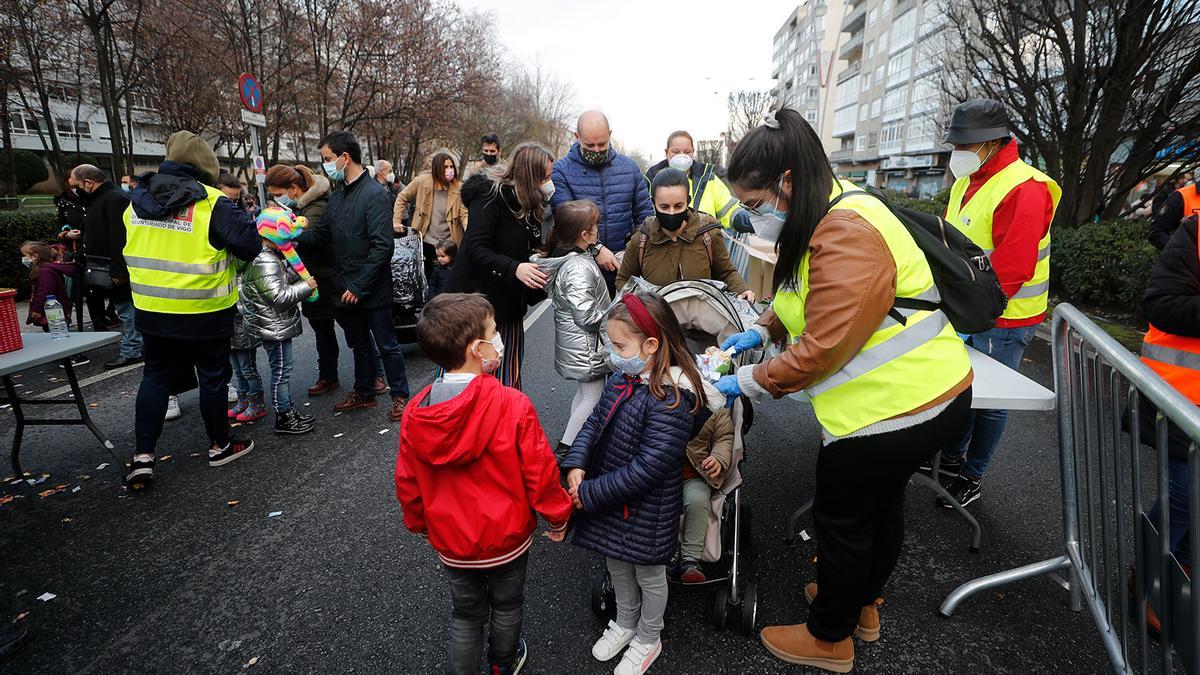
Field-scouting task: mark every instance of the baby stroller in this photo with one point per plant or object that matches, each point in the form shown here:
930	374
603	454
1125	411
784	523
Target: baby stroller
408	285
708	315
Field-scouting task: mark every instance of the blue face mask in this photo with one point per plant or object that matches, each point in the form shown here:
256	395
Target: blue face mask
125	187
631	367
331	169
285	201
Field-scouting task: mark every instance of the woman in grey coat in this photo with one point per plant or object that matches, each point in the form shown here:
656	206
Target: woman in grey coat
580	295
271	293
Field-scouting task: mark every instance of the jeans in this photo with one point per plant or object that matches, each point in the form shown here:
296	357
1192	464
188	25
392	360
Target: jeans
168	360
697	497
279	353
984	428
367	329
641	592
494	595
586	398
245	372
858	513
131	337
1177	508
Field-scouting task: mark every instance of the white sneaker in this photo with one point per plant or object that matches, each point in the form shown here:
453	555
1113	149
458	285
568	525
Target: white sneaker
638	658
173	409
231	396
612	642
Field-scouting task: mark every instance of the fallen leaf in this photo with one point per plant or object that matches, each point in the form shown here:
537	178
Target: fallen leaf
6	499
22	615
59	487
85	477
93	405
251	662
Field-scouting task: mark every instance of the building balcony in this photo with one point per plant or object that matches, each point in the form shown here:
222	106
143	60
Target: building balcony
844	129
852	70
856	19
852	48
841	156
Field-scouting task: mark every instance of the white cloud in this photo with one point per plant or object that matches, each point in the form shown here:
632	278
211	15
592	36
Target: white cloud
652	66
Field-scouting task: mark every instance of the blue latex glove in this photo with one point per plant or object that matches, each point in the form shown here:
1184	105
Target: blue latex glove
963	336
728	385
740	342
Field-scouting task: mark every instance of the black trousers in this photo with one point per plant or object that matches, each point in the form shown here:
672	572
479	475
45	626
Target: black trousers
493	597
858	512
170	361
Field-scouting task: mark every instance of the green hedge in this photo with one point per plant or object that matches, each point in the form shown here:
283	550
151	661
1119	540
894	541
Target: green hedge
17	227
1106	263
935	205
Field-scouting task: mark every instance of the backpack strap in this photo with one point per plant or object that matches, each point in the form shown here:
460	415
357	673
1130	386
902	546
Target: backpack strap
642	249
708	243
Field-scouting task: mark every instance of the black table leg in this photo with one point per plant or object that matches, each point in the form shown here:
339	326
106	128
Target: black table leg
20	415
77	394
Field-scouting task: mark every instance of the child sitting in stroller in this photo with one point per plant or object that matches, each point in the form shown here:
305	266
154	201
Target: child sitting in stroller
705	466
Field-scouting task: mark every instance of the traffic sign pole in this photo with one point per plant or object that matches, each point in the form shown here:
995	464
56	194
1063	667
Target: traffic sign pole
260	179
250	90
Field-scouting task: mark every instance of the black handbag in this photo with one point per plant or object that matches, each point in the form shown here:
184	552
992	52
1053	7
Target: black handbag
99	272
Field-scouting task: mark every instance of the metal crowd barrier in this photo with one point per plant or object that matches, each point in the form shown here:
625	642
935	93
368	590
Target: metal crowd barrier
738	255
1116	560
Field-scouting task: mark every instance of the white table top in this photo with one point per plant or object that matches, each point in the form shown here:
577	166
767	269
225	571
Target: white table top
996	387
39	349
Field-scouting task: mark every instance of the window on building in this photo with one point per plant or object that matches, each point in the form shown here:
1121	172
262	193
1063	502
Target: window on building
811	116
69	128
24	123
883	42
872	16
879	73
885	8
899	67
921	130
860	143
876	107
863	110
812	92
925	95
812	69
63	92
866	81
872	141
903	28
891	138
139	101
847	92
870	50
894	103
843	120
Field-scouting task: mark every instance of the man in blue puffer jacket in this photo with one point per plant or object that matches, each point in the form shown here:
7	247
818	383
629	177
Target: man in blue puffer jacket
593	170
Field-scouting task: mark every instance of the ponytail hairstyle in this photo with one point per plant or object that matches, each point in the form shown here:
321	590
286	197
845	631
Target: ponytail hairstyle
786	141
672	349
572	219
283	176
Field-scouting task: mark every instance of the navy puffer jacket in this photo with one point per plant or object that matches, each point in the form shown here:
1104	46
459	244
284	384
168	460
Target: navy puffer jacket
632	449
617	187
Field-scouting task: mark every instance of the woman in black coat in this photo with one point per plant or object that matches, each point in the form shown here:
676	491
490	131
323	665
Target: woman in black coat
504	226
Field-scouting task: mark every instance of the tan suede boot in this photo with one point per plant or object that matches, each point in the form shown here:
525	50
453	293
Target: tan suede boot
867	629
795	644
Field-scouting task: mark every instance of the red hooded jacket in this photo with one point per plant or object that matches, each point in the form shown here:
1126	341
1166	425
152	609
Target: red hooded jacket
471	472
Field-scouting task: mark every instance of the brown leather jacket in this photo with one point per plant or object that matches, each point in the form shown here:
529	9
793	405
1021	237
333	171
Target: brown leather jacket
687	257
852	284
420	193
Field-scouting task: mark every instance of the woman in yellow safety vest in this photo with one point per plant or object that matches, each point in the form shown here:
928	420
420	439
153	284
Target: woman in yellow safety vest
888	394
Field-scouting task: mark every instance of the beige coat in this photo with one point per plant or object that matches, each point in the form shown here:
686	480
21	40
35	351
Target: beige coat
420	194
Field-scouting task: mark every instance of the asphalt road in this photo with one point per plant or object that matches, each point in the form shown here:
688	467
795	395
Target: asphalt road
182	579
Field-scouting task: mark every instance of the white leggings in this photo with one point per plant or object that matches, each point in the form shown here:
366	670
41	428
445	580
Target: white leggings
586	398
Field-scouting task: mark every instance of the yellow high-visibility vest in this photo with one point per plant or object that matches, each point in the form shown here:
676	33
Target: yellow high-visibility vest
902	366
709	194
975	220
173	268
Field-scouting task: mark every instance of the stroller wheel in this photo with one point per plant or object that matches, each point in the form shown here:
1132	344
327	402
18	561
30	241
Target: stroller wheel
604	600
749	608
720	609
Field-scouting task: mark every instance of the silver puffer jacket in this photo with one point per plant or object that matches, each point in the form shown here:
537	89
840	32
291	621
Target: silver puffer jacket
581	300
270	296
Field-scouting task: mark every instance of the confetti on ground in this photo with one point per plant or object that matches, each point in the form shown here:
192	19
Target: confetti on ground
165	458
804	535
236	424
102	466
233	502
93	405
338	435
307	404
251	662
275	514
76	489
383	431
7	499
46	493
15	482
22	615
195	454
46	597
85	477
6	405
336	414
66	520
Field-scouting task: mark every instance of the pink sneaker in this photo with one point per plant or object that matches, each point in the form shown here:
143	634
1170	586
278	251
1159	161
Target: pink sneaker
256	409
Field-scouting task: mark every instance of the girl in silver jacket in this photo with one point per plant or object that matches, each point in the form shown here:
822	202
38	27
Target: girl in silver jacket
269	301
581	300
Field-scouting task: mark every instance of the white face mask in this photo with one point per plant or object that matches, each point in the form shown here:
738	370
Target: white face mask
391	178
490	366
682	161
548	189
963	163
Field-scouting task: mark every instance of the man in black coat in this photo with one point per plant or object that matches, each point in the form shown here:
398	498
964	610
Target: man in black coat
358	223
103	242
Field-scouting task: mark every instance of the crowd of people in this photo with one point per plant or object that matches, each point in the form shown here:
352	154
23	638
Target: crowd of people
200	281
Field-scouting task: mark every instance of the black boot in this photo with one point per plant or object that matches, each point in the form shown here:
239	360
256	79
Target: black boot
292	423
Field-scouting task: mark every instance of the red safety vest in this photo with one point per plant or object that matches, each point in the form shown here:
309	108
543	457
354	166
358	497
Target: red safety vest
1191	199
1176	359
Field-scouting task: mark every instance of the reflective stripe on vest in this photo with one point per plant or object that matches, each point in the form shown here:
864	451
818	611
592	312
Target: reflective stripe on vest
901	367
975	220
697	186
173	268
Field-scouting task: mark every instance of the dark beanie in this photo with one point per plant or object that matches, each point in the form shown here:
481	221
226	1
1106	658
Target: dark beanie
188	148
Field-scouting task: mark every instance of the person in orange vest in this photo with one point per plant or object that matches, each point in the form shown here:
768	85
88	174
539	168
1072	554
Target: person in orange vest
1005	206
1171	348
1179	205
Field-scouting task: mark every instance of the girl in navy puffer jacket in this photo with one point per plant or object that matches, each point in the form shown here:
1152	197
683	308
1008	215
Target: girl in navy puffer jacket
624	470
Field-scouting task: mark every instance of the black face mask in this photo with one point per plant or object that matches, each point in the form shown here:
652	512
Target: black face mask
491	159
671	222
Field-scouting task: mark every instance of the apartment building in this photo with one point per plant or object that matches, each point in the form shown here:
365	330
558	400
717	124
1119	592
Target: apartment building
804	61
888	106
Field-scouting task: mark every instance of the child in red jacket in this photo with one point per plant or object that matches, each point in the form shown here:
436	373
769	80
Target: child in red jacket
473	468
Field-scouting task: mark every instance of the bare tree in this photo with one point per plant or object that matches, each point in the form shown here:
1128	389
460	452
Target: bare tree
709	152
1102	93
746	110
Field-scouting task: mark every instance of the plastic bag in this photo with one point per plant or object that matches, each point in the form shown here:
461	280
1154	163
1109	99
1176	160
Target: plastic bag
714	363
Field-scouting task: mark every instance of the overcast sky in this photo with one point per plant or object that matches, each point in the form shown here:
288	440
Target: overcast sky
653	66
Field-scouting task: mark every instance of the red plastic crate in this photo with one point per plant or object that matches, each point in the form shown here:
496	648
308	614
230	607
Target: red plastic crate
10	327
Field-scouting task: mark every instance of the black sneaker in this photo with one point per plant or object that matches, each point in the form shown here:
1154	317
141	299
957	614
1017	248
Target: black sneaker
121	363
141	473
291	422
947	469
232	450
517	663
964	490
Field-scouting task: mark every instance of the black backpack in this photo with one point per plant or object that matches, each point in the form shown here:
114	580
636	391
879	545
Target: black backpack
971	294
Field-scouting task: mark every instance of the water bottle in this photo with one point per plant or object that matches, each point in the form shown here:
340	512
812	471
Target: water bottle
56	319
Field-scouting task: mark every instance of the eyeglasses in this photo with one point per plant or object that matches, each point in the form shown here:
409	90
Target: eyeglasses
777	191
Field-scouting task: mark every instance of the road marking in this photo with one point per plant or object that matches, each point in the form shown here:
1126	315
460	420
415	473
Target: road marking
91	380
537	313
